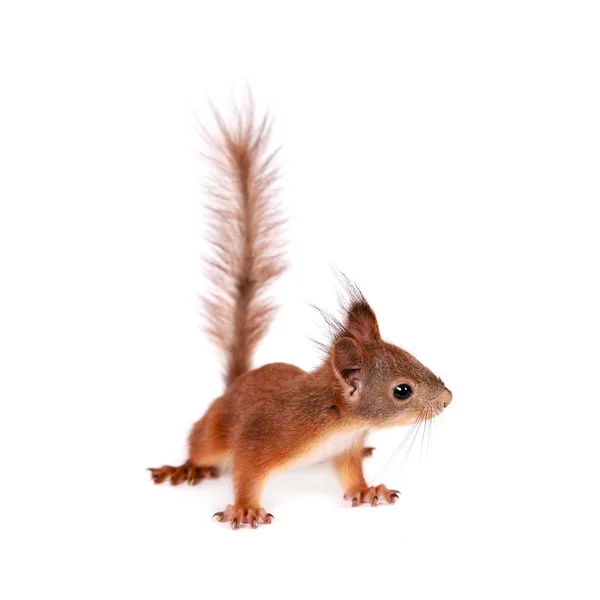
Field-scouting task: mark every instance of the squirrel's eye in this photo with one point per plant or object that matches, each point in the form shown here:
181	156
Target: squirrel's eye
402	391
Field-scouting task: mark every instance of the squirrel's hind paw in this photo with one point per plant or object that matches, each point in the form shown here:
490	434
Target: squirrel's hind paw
186	472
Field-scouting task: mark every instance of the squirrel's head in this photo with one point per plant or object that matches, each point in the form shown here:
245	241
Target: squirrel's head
381	383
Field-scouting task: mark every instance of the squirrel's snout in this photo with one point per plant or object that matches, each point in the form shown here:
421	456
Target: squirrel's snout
445	398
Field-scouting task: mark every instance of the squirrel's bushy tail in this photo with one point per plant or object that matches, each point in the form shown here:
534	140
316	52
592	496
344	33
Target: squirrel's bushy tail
244	223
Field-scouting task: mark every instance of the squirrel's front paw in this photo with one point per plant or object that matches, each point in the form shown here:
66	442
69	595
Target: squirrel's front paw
371	495
238	515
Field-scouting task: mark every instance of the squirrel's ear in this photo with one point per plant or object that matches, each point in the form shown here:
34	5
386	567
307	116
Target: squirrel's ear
348	362
361	322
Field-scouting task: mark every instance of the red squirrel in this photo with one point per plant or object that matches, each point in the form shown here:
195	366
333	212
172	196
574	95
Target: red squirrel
278	415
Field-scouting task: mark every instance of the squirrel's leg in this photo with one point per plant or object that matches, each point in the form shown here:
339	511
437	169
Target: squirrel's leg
349	469
248	481
208	450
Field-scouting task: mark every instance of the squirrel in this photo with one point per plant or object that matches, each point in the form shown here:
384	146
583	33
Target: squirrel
277	416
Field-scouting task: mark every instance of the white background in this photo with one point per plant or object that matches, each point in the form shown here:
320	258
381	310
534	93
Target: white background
443	154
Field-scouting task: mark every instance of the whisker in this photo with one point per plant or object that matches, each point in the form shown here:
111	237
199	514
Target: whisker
410	447
431	426
357	432
424	430
411	436
395	453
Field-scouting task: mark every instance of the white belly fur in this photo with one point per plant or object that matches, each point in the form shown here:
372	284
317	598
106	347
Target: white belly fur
331	446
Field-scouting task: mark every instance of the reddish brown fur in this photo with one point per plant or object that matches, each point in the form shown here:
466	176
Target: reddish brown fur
271	416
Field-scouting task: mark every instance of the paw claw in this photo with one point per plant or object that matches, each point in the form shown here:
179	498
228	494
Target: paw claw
371	495
238	516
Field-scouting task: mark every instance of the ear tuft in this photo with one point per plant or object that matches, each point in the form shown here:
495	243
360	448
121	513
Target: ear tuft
348	360
361	322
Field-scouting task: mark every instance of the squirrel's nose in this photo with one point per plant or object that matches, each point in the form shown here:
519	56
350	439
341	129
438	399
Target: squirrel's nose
445	397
